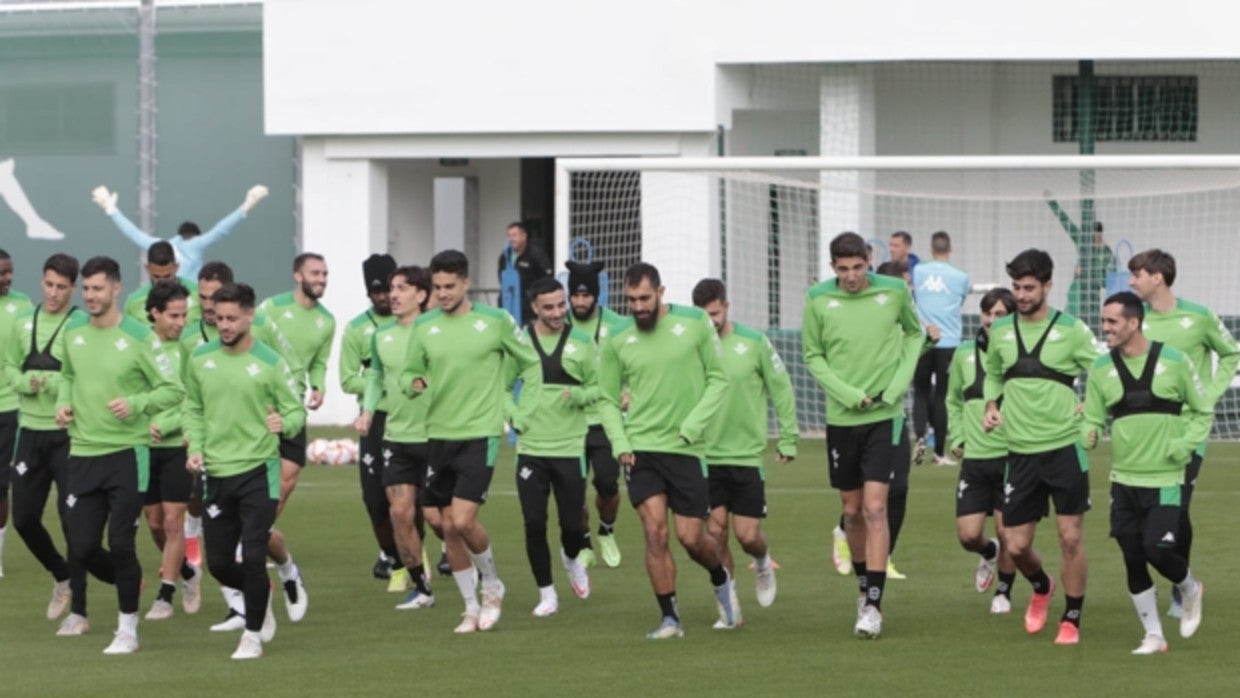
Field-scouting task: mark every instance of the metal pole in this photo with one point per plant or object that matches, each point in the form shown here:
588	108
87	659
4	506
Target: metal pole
147	160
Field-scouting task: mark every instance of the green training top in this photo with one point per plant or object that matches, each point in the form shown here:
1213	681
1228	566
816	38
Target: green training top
355	354
965	411
406	418
126	361
135	305
676	383
863	344
38	408
12	306
1039	414
737	436
461	358
263	328
170	420
547	422
228	397
309	332
597	329
1149	449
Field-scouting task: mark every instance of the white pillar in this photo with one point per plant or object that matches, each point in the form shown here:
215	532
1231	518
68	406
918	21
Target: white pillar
847	119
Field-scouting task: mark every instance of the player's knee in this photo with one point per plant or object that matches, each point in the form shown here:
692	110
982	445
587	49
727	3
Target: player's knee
1071	543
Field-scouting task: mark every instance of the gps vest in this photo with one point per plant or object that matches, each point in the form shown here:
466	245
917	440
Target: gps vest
43	360
1139	397
1029	363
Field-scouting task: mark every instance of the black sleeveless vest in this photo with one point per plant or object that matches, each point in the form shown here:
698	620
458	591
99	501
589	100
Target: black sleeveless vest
37	360
553	372
1029	363
974	391
1139	397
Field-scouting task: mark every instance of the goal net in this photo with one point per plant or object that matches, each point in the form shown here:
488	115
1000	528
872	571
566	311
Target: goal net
763	225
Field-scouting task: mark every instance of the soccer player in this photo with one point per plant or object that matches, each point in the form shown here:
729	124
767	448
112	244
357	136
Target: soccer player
1197	332
979	488
240	396
550	421
404	435
161	266
456	362
736	439
168	489
597	322
668	356
190	243
12	304
1031	362
939	290
861	339
1161	414
115	376
355	359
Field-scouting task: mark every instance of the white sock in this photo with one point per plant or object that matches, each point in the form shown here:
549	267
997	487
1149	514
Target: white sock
1146	604
467	582
193	526
254	635
287	570
127	623
235	599
3	530
485	563
548	594
838	532
1189	585
763	563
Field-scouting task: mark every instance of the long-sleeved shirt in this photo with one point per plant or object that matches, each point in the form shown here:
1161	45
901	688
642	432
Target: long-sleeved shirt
966	406
406	417
676	383
100	364
598	328
135	304
263	328
355	356
190	253
939	291
859	345
228	398
38	407
12	306
547	424
1197	332
309	331
737	435
170	421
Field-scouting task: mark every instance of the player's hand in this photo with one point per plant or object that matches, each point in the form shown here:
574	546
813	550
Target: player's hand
933	332
194	463
419	385
119	407
37	383
256	194
1091	438
958	452
64	416
567	396
628	460
362	423
993	419
315	401
155	435
781	458
104	199
1080	409
866	402
275	423
624	401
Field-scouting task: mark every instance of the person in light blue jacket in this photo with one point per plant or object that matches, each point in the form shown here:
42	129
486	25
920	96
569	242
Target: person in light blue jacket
939	291
189	243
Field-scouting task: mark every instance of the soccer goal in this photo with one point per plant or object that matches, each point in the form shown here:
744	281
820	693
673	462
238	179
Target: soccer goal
763	225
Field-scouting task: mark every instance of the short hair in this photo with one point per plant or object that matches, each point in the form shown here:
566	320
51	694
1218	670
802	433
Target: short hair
188	229
849	244
1131	303
639	271
941	242
1154	261
102	265
999	295
163	293
241	294
908	239
216	271
1097	226
418	278
708	291
64	264
892	268
541	285
161	254
300	260
450	262
1031	262
4	254
519	226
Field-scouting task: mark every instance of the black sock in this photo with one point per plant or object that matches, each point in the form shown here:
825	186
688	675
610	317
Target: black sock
187	570
1005	584
874	594
1072	613
1041	583
606	529
166	590
719	575
841	523
585	540
419	579
859	571
397	564
667	605
990	551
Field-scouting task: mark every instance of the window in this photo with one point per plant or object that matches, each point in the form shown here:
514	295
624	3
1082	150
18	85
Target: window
1129	108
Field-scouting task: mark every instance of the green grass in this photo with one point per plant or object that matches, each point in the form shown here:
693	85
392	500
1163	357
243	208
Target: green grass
938	637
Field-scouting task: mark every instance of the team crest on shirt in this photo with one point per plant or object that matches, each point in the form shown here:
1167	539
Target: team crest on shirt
882	298
631	340
570	349
387	339
288	315
121	344
1009	336
29	326
1186	323
252	369
480	325
209	364
319	323
832	304
1054	336
1160	368
79	341
678	329
741	348
1113	373
11	308
433	330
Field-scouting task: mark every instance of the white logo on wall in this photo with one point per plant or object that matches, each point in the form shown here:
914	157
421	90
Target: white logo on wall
12	193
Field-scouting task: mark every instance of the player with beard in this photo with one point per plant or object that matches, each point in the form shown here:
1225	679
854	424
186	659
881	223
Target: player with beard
668	356
1041	419
310	329
12	304
355	359
115	376
240	396
162	267
597	322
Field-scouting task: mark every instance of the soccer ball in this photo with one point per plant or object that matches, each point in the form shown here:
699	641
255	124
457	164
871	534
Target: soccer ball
332	451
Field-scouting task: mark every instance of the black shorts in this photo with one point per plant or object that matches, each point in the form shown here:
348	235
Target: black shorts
606	467
128	470
8	447
459	469
877	452
741	489
405	464
1150	512
1190	480
170	481
1061	474
294	449
979	489
681	478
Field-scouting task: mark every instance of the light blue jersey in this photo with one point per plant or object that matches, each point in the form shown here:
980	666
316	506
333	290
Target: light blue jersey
939	290
190	253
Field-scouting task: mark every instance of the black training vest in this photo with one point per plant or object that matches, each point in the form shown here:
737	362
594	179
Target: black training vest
552	364
43	360
1029	363
1139	397
974	391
